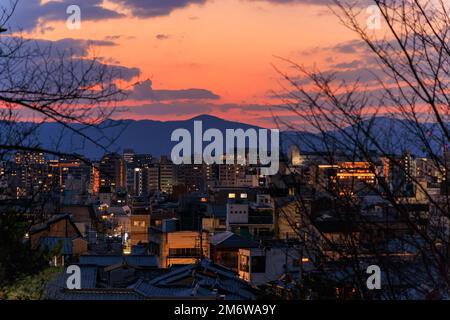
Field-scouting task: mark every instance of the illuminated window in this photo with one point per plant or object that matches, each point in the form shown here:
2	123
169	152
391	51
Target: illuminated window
139	224
243	196
231	196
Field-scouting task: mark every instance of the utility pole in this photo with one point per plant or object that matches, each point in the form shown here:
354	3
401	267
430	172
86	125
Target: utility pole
286	269
300	273
200	231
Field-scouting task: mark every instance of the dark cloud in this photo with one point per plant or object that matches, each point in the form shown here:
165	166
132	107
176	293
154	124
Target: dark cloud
359	73
352	61
162	36
161	109
64	60
247	107
347	65
30	13
144	91
183	108
343	48
350	47
113	37
155	8
77	47
311	2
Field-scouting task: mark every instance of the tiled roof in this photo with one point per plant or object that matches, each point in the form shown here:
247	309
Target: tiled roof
51	243
229	239
108	260
217	210
88	281
148	290
208	281
46	225
100	294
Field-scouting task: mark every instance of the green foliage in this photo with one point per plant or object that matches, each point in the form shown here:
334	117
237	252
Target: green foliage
16	258
30	287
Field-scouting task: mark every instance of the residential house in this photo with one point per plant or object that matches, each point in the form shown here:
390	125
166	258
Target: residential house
60	236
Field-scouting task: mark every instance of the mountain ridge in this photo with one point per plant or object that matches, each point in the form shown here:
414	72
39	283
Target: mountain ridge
154	136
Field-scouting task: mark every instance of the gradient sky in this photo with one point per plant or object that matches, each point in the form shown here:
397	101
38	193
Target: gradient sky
201	56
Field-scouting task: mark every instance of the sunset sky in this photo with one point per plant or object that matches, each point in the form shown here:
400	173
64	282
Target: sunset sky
201	56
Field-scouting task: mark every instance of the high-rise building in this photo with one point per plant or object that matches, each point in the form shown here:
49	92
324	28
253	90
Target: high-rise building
140	182
128	155
192	176
30	158
113	172
153	178
31	172
70	174
402	172
143	160
137	164
166	175
94	187
229	174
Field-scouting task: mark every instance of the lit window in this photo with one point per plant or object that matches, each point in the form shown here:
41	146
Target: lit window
139	224
243	196
231	196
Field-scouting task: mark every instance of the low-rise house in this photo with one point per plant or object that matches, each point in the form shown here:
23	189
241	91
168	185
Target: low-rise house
215	218
162	212
337	237
262	265
60	236
173	246
290	213
252	219
82	215
140	224
225	248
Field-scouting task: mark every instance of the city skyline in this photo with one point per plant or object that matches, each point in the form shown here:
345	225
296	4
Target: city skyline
224	150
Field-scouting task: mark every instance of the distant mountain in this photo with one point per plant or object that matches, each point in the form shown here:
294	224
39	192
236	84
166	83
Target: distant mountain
397	135
149	136
143	136
388	134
